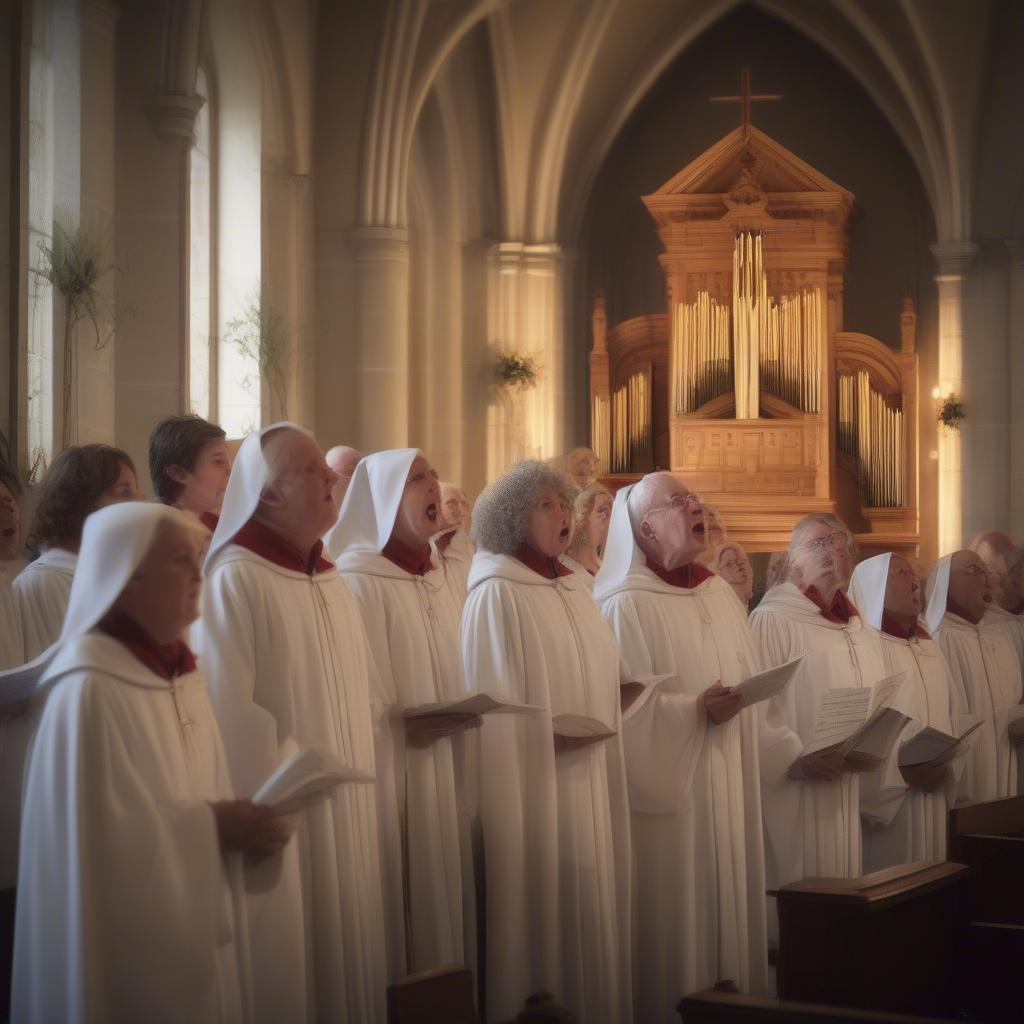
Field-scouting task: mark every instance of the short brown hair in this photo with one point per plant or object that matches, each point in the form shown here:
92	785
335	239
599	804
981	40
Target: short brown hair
177	441
70	489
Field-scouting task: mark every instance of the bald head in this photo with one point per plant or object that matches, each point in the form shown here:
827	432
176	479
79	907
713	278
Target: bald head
343	460
667	520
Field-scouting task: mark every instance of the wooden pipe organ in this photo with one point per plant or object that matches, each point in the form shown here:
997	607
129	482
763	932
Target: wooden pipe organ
747	387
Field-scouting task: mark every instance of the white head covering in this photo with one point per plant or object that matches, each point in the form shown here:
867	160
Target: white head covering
371	503
622	554
115	540
867	588
250	473
936	591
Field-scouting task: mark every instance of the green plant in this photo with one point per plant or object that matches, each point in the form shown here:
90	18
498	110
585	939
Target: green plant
515	371
72	264
259	335
952	411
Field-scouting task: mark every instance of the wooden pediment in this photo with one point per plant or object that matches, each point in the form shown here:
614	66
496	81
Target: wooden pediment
745	169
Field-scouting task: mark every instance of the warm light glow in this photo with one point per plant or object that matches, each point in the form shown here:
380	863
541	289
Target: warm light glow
936	392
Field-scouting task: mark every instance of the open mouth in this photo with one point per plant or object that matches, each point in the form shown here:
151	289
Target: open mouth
564	533
432	513
698	529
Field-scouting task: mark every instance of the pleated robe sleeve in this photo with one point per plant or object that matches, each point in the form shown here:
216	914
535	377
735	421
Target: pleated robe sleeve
778	744
662	736
227	644
122	910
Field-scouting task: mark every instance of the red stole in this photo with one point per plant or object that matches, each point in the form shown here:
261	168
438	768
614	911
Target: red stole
267	543
841	610
413	560
952	606
549	568
166	660
687	576
894	627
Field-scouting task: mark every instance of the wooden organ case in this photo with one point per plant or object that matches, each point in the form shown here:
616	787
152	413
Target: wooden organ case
747	387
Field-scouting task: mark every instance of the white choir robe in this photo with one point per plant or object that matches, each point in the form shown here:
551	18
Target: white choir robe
126	907
456	558
812	829
42	589
286	656
1012	625
581	571
987	683
555	830
14	734
910	824
694	793
413	627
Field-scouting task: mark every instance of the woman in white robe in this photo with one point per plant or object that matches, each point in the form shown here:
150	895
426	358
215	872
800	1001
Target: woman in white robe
411	610
907	824
553	812
984	668
812	810
592	512
128	906
284	647
694	784
80	480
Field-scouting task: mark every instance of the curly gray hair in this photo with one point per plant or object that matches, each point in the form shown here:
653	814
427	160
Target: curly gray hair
501	516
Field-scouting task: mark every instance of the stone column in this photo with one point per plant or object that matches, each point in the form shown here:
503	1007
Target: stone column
380	335
953	259
95	396
1016	372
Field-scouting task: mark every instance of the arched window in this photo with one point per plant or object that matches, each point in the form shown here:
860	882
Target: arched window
201	330
54	186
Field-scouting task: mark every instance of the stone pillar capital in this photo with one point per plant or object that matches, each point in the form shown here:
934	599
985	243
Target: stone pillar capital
173	116
953	258
378	242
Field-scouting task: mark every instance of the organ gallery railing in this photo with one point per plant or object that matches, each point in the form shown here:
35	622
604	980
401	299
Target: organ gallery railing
871	432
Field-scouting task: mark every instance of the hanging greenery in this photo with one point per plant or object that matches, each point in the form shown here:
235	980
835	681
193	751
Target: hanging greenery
515	371
952	411
260	336
73	265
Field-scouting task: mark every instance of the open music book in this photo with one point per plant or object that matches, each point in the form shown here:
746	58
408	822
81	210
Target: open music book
766	684
859	722
303	779
580	727
932	746
473	704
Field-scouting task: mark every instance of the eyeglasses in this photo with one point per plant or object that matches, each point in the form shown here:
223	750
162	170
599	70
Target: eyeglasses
837	541
686	501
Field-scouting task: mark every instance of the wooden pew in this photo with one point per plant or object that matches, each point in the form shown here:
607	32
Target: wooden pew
443	995
885	942
989	839
714	1007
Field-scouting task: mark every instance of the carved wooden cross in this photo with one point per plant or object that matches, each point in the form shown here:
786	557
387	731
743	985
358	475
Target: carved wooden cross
745	98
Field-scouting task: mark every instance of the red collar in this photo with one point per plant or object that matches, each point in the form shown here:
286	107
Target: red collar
893	627
208	519
413	560
952	606
687	576
166	660
265	542
549	568
841	609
